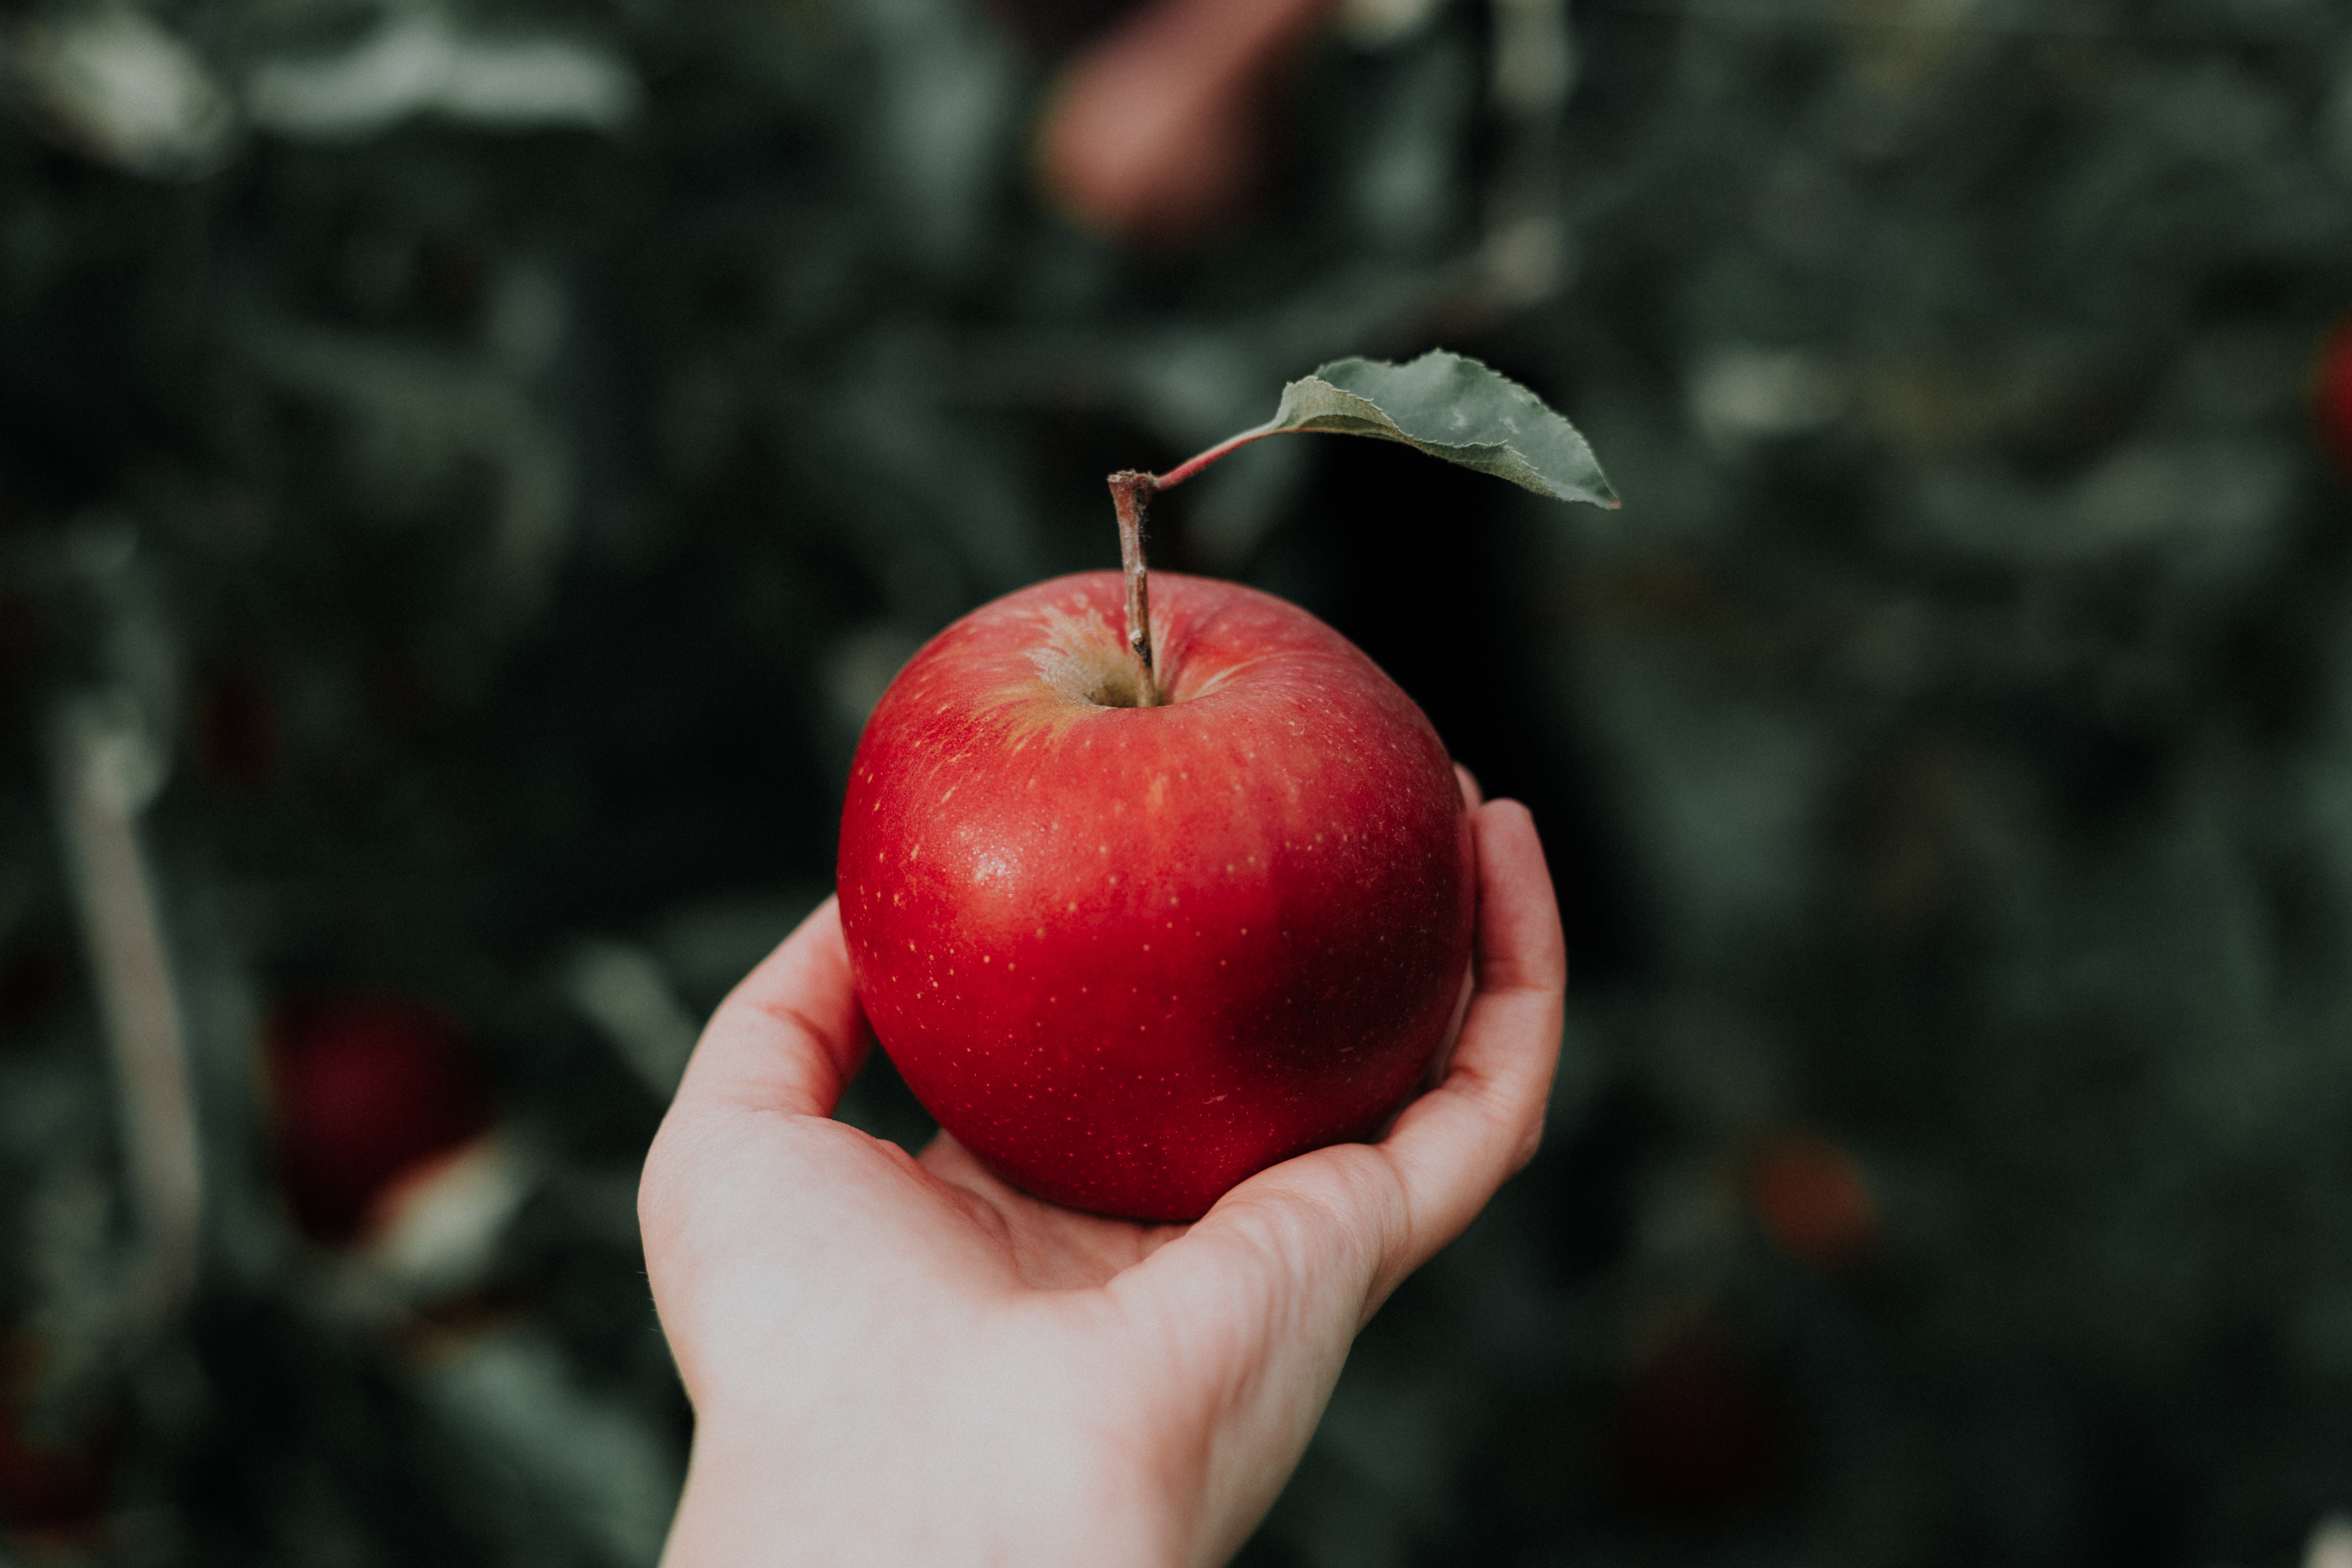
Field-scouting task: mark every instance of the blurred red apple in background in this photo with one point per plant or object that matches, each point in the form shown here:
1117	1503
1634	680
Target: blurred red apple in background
54	1486
1131	955
2331	396
1698	1434
1813	1198
365	1089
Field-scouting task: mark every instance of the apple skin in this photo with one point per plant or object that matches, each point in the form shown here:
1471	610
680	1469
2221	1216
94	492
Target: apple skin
1129	956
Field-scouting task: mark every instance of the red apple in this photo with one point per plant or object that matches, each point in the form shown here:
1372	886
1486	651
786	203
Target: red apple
55	1488
54	1485
2331	396
1814	1199
1697	1435
366	1089
1131	955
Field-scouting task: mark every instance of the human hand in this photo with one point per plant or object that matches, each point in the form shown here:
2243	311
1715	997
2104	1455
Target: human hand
895	1359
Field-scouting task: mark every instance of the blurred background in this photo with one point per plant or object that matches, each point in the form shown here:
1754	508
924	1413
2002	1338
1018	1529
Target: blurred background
467	469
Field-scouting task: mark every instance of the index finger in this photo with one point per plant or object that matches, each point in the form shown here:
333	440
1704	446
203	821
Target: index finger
791	1036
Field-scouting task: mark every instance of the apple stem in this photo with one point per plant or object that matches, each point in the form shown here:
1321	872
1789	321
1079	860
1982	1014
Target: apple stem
1131	490
1130	493
1231	444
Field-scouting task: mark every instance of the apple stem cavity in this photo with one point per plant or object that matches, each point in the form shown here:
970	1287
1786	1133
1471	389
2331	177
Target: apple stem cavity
1130	493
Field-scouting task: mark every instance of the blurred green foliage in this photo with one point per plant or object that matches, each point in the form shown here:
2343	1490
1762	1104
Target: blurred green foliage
492	457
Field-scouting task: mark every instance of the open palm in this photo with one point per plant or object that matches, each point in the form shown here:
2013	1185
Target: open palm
903	1360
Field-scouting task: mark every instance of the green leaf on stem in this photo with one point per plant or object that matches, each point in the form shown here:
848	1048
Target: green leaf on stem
1453	408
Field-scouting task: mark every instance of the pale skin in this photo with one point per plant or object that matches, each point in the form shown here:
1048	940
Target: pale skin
900	1360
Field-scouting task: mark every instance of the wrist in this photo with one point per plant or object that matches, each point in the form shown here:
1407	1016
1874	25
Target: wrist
817	1494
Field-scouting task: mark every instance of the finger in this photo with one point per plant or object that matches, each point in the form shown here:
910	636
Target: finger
1443	1062
791	1036
1520	947
1472	796
1456	1145
1325	1238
